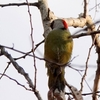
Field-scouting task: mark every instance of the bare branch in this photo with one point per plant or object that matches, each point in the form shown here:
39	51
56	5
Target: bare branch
85	8
36	46
11	48
74	68
86	68
32	43
84	94
27	54
19	68
94	6
16	81
5	70
21	71
38	96
47	16
84	34
76	94
20	4
85	82
97	76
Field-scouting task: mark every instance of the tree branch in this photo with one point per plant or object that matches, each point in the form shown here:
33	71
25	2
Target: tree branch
85	8
16	81
85	73
47	16
32	40
20	4
97	76
20	70
5	70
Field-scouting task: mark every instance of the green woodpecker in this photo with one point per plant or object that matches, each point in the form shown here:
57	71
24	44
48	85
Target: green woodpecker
57	53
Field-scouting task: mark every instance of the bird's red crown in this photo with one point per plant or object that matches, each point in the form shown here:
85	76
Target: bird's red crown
65	24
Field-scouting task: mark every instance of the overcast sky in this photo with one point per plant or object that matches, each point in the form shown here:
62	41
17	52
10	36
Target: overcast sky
15	30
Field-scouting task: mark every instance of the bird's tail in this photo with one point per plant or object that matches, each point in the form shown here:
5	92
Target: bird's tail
56	77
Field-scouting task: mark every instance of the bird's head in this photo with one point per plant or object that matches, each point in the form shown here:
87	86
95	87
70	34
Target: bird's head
59	24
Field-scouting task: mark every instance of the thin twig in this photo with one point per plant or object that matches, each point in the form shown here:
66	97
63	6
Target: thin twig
95	10
94	6
15	81
85	82
83	78
19	51
74	68
84	34
23	55
85	8
20	4
84	94
38	44
5	70
32	40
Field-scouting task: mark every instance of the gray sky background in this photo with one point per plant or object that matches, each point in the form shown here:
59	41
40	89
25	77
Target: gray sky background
15	29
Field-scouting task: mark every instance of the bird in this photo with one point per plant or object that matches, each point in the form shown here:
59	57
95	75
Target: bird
58	48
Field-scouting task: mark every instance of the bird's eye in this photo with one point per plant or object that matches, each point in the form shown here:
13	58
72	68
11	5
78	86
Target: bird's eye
52	24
